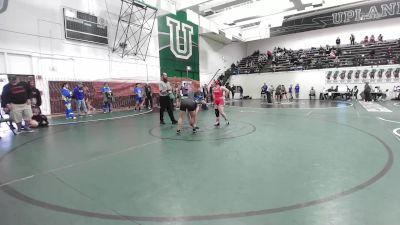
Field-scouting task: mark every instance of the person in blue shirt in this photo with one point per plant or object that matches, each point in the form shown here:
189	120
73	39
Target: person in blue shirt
138	92
291	92
264	90
79	95
67	98
297	90
107	98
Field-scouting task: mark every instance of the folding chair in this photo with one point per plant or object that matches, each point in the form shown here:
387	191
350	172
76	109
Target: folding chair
7	121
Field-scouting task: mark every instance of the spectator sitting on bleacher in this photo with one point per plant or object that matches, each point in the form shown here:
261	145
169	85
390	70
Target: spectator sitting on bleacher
372	54
338	51
380	38
372	39
389	51
338	41
321	50
396	60
312	93
332	54
365	40
355	60
318	63
362	60
336	61
269	55
327	50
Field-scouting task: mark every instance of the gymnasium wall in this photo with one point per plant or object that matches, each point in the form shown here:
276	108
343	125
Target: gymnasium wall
252	83
216	55
323	37
32	42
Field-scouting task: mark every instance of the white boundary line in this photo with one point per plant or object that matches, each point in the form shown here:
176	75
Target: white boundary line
390	121
105	119
89	160
396	132
80	163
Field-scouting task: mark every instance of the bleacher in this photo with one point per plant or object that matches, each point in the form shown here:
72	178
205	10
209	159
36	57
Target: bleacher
351	55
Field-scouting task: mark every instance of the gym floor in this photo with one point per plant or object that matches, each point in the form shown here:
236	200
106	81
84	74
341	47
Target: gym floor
299	163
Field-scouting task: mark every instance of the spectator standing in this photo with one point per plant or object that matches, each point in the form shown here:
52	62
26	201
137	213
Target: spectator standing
232	90
79	94
138	91
337	41
355	92
297	90
264	90
16	99
290	92
233	68
165	97
278	94
283	91
36	100
205	92
367	92
149	96
66	95
88	99
37	120
211	93
240	91
107	98
271	90
380	38
352	39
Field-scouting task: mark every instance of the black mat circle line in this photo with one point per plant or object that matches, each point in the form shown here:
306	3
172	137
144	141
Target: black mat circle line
235	129
58	208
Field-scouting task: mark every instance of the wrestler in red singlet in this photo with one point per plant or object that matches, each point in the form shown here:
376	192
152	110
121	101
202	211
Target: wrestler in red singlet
219	102
218	96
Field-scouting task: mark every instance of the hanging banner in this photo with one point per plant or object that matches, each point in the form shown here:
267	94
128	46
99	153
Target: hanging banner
337	16
362	75
178	42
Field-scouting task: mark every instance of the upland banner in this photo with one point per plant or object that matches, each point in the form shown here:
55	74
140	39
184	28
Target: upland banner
337	16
